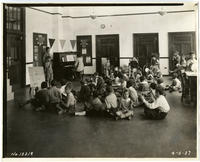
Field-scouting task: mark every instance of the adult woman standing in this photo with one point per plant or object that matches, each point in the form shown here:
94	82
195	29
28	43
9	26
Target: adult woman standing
46	54
79	65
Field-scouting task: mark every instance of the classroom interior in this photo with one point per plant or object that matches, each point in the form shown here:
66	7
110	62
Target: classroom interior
117	33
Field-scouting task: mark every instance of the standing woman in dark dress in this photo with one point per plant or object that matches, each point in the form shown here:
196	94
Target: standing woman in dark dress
46	54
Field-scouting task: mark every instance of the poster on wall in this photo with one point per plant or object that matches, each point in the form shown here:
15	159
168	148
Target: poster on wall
88	59
84	46
39	47
84	51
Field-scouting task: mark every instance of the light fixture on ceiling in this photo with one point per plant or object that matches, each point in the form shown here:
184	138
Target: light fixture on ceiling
93	17
162	12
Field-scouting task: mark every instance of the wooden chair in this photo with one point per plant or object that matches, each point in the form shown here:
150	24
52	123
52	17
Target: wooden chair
185	86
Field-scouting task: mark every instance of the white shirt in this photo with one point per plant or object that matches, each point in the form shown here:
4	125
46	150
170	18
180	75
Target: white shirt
178	83
62	89
133	94
79	64
160	102
111	101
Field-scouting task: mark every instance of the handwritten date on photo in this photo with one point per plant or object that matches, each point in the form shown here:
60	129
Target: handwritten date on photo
181	153
21	154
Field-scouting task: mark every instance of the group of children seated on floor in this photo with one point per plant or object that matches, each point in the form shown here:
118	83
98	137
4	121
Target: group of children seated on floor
116	94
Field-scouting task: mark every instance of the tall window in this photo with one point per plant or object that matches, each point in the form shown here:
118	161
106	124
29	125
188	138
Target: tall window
14	18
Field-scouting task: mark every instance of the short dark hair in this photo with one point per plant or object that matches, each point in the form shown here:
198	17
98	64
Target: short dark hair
63	81
68	85
95	74
160	80
153	85
175	75
47	48
44	85
130	83
109	89
79	54
95	94
53	83
125	90
160	90
142	78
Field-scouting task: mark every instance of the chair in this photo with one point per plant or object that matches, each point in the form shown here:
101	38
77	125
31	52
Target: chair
185	86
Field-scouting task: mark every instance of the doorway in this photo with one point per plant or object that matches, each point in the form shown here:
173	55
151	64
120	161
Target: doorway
107	48
145	45
15	45
183	42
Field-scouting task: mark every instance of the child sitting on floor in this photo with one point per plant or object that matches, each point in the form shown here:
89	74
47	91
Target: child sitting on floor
63	84
160	82
85	94
111	101
41	99
125	106
123	82
100	87
144	84
69	100
55	98
97	107
159	108
132	92
176	84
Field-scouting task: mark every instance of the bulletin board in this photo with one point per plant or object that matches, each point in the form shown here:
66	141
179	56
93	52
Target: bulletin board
84	46
36	75
39	48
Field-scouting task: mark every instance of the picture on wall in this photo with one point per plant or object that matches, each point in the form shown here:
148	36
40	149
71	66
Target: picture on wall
84	45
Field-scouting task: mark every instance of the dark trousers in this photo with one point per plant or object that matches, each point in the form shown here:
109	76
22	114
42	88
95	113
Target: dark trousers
154	114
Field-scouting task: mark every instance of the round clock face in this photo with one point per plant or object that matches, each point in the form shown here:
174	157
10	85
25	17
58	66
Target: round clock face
103	26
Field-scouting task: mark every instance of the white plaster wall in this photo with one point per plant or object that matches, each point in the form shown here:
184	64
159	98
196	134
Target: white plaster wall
66	28
40	22
128	25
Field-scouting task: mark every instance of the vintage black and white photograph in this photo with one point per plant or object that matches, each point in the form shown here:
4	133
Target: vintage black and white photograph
100	80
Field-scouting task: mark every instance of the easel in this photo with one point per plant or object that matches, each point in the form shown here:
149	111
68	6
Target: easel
36	75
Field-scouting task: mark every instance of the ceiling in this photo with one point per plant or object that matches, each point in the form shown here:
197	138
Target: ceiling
79	11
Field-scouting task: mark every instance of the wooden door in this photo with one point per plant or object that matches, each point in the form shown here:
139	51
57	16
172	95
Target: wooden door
144	46
14	44
107	46
183	42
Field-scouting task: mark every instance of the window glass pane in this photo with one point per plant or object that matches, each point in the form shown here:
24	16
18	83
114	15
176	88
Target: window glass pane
14	13
18	13
18	25
10	18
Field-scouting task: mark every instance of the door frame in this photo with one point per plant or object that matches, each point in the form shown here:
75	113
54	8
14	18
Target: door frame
21	34
104	35
170	44
134	42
